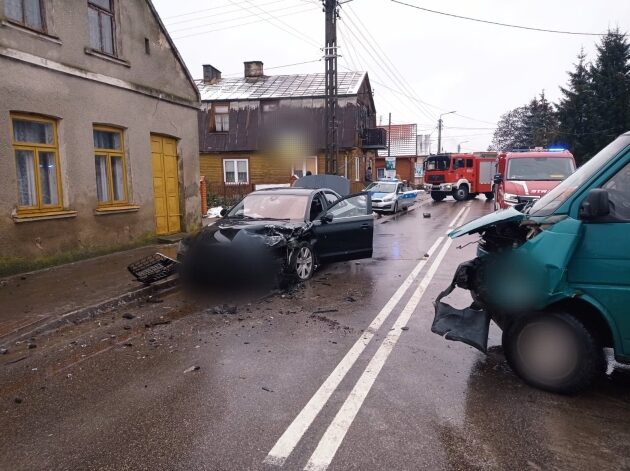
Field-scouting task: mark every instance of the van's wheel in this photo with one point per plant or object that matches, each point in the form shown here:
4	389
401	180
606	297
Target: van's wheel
489	195
438	196
461	193
554	351
303	261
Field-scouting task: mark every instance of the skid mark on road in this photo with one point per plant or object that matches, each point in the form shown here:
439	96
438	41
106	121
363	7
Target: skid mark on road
296	430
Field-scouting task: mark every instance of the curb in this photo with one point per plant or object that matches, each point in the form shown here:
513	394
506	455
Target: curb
89	312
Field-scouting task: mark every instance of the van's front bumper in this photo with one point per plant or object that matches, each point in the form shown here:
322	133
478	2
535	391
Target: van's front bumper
470	325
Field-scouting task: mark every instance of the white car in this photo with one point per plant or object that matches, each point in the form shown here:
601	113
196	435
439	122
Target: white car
391	195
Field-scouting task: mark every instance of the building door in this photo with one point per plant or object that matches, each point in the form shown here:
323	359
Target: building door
165	185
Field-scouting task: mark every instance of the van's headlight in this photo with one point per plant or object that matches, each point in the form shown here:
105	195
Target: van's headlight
510	198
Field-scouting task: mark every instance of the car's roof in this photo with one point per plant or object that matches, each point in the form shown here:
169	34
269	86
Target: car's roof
292	191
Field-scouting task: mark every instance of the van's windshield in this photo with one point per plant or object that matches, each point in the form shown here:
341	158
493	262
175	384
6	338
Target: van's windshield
546	205
540	168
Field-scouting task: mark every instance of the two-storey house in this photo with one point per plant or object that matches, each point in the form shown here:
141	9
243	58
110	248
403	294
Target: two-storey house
259	130
98	129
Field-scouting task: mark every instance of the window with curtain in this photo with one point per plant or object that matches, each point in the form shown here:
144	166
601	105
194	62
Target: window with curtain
37	163
101	26
221	118
236	171
111	177
29	13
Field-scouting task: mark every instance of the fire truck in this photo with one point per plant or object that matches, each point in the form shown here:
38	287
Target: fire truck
523	175
462	176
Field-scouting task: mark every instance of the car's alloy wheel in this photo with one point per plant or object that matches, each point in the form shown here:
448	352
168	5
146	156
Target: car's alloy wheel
304	263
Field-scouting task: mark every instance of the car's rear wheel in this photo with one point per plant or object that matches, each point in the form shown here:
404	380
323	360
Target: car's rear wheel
303	261
554	351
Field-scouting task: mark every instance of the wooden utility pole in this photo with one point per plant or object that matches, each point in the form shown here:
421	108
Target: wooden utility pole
331	8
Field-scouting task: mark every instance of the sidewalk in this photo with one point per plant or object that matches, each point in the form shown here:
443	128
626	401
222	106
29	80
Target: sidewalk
37	298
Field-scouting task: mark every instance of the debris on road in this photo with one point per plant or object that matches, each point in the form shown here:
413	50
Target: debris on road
426	215
325	311
4	351
153	299
18	400
267	389
32	345
192	368
128	316
404	328
156	323
224	309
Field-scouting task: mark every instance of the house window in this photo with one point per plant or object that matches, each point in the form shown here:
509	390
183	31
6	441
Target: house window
221	118
235	171
380	173
101	24
29	13
37	161
109	160
357	169
301	166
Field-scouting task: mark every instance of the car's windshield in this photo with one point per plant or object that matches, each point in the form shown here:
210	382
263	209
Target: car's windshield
546	205
382	187
437	163
271	206
540	168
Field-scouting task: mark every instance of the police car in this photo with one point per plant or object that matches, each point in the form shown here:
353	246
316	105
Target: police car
391	195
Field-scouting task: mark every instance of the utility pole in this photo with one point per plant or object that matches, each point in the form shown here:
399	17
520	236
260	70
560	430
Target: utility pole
439	149
331	8
389	137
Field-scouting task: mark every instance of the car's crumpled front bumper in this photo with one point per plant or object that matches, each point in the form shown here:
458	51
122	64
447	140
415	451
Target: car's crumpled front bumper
469	325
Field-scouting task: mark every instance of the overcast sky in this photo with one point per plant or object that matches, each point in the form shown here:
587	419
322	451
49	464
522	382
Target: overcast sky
412	57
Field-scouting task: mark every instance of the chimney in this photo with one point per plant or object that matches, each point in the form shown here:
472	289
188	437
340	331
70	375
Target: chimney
253	69
211	74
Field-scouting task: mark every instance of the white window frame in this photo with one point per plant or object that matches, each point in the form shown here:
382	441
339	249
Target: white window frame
303	169
357	168
236	161
225	124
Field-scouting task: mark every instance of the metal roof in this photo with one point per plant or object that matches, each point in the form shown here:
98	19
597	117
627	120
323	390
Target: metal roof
278	86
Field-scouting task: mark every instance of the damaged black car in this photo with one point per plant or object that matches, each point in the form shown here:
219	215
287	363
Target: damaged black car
279	233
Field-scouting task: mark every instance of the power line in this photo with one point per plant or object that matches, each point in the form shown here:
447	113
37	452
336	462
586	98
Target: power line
214	15
496	23
278	66
404	82
382	56
248	23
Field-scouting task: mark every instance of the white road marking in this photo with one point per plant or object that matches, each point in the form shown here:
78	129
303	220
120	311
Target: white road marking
330	442
296	430
293	434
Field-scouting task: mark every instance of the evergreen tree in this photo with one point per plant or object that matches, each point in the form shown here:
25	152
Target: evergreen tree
611	89
542	123
575	112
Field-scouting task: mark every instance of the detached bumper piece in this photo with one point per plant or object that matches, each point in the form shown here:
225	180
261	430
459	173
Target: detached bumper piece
153	268
469	325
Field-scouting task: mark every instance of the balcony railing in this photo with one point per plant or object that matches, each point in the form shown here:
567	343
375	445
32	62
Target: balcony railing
375	138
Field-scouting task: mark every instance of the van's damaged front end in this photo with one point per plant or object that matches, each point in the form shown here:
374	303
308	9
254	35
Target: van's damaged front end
515	272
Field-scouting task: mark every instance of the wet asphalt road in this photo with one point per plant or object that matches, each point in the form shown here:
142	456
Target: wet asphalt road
116	393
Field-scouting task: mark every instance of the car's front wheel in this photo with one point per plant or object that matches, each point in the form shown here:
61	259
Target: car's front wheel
303	261
554	351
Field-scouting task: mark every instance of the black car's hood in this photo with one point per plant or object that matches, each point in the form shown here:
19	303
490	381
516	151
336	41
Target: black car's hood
268	232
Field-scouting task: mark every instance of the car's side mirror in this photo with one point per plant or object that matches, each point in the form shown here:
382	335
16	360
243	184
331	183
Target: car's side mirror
223	212
498	178
326	218
595	205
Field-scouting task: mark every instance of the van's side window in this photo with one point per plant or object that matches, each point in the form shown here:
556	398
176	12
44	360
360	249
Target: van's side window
619	194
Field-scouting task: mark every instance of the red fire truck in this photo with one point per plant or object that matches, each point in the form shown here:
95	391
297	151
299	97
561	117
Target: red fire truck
462	176
523	175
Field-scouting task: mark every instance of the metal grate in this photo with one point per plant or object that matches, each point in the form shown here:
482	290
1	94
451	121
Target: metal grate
153	268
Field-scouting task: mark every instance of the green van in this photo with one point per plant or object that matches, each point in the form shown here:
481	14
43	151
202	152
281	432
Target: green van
555	277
